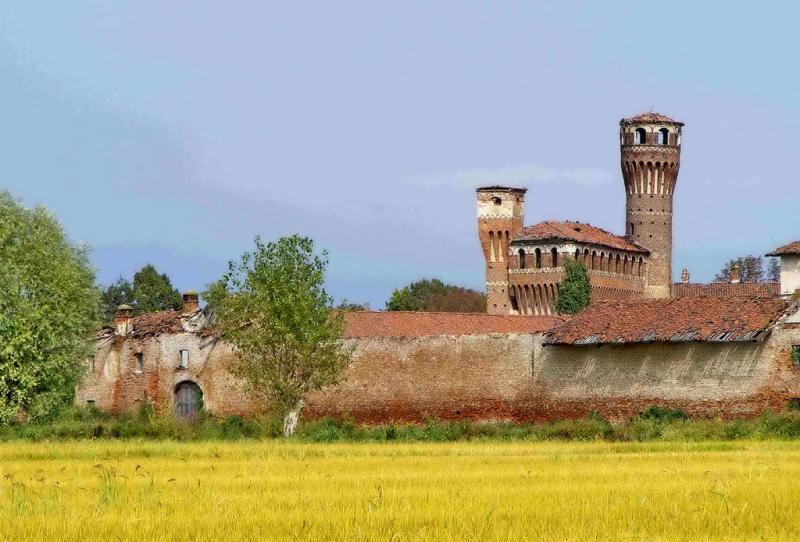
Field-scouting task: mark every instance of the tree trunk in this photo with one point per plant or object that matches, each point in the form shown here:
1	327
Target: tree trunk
290	419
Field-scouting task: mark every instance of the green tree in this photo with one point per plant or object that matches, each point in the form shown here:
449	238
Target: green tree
154	292
272	307
774	270
433	295
118	293
751	269
574	293
49	306
349	306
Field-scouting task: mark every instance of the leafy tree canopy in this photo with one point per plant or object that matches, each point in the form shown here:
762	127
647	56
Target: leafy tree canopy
150	291
118	293
48	307
350	306
272	307
574	293
153	291
435	296
751	269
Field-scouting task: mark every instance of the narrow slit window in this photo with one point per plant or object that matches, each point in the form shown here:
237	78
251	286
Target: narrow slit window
138	362
184	359
796	356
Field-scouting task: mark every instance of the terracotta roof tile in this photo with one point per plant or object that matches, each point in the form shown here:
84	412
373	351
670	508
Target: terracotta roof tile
421	324
552	230
157	323
684	319
651	116
726	289
791	248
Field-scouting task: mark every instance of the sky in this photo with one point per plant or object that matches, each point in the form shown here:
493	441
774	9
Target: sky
173	133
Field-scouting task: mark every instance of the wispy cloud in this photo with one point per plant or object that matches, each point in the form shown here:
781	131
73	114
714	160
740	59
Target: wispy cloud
515	175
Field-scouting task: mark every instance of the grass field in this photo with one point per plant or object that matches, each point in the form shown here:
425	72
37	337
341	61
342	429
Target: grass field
128	490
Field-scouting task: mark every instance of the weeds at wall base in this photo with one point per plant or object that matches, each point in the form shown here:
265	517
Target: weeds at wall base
653	424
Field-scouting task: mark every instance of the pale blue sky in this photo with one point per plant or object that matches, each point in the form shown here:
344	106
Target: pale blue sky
174	132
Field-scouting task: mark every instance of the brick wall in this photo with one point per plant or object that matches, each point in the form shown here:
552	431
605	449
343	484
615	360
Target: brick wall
479	377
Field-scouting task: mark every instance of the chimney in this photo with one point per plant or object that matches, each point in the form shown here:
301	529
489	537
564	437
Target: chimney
123	320
735	273
685	276
191	302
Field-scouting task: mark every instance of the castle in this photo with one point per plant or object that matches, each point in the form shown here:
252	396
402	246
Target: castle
722	349
524	265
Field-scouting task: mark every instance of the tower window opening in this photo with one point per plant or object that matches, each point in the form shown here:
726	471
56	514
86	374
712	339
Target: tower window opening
496	200
538	255
633	229
594	258
554	257
521	259
639	136
663	136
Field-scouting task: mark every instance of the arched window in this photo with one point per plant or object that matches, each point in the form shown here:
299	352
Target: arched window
616	266
538	255
554	257
663	136
625	265
496	200
602	261
577	254
585	256
639	136
594	258
641	264
521	259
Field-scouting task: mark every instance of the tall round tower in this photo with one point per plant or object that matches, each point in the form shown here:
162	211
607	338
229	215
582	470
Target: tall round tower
501	212
650	148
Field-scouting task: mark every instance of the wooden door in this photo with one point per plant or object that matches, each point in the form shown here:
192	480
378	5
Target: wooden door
188	400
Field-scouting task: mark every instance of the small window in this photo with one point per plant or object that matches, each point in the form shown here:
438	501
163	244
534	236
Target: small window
554	257
794	403
639	136
184	359
538	254
796	356
496	200
521	259
90	364
663	136
138	365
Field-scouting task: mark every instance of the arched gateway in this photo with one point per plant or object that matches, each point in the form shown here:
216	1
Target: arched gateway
188	400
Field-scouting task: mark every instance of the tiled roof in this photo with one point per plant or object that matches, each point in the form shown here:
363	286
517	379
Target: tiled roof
651	116
710	319
552	230
791	248
157	323
422	324
726	289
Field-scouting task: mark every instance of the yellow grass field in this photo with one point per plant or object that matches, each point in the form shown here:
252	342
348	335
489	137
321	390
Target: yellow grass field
148	491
